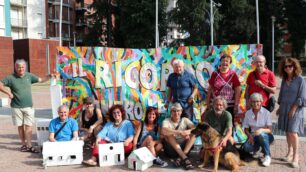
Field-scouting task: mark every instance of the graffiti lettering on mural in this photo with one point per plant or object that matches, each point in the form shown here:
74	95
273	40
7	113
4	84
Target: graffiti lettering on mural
137	78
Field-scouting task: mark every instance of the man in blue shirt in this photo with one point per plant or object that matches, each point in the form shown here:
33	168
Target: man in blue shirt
182	88
63	128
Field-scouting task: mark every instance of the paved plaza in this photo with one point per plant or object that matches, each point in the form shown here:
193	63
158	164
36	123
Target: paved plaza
11	159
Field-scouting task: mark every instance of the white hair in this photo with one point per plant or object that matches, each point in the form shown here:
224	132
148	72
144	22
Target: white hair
221	99
256	96
20	61
177	62
260	56
62	107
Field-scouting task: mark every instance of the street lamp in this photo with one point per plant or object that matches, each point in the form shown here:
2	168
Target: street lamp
156	25
60	23
211	14
257	22
273	20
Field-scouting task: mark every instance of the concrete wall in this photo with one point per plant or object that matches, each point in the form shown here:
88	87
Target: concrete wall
34	51
36	19
6	57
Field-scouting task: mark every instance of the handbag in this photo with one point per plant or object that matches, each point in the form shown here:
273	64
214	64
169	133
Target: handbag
239	136
271	104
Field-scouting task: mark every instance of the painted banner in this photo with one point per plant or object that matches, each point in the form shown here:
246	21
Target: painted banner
137	78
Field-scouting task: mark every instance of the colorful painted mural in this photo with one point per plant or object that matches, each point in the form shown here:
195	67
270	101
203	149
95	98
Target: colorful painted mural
137	78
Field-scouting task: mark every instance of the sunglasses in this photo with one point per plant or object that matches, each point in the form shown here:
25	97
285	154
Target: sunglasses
288	66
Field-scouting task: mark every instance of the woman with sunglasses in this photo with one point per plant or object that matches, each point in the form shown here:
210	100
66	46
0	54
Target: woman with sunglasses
146	135
291	100
90	120
117	130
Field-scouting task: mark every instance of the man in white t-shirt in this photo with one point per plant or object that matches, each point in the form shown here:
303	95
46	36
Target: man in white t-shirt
178	137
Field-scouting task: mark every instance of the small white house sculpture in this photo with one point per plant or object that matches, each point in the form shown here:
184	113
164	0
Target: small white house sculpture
62	153
140	159
111	154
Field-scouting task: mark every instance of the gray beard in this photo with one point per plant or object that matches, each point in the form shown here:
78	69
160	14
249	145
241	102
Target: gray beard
218	112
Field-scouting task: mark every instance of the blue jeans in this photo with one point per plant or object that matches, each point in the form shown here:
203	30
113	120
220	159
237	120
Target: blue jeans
263	140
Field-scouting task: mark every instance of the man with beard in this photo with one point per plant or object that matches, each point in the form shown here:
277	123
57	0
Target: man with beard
220	119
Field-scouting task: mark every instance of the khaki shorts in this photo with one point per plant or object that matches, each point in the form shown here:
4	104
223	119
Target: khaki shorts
23	116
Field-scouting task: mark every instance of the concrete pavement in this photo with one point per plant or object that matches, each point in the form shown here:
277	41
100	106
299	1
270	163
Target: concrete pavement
11	159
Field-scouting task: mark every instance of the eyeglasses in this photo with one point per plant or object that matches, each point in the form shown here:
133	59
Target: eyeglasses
288	66
175	110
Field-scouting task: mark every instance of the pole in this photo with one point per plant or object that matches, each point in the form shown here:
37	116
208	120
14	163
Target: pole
74	39
156	25
211	24
257	22
60	23
48	59
273	20
109	22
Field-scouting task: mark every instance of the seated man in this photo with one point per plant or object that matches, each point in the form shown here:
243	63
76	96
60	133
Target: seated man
63	128
259	120
178	140
220	119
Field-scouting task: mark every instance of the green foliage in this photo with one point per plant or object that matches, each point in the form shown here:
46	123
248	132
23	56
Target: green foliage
295	12
192	16
93	38
137	22
238	23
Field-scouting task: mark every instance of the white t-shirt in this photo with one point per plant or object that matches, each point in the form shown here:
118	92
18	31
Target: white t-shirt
263	119
185	125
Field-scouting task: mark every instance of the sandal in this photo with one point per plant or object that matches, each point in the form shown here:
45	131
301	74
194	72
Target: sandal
188	164
31	149
23	148
90	162
178	162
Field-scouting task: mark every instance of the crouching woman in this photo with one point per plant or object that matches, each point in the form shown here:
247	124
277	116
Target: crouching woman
258	119
115	131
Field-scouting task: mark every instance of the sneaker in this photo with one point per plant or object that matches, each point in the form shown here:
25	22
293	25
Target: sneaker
160	162
257	154
267	161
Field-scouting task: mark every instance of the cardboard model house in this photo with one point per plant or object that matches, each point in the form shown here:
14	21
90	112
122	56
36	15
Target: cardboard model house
42	130
111	154
140	159
62	153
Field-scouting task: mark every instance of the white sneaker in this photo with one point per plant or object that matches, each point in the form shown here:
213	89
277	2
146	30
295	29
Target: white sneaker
267	161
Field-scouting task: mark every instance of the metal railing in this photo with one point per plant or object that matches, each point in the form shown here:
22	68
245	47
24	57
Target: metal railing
18	22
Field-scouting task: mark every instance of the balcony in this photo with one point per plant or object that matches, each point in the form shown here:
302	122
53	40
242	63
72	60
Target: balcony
21	23
82	7
19	3
81	23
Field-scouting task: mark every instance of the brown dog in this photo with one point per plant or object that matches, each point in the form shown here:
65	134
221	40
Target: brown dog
228	156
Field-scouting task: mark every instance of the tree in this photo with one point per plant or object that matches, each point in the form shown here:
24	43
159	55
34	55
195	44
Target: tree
193	16
97	30
137	22
295	12
238	23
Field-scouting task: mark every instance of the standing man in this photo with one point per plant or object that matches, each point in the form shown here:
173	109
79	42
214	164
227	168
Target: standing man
261	81
182	88
21	102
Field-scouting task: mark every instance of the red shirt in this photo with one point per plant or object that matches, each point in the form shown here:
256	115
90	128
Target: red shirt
224	84
267	77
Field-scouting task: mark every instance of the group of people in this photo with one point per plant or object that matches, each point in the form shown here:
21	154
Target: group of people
173	135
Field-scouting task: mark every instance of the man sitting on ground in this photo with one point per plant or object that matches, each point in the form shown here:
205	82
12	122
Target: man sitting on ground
63	128
178	138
